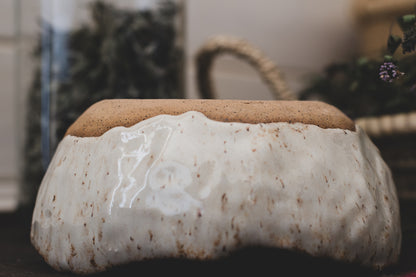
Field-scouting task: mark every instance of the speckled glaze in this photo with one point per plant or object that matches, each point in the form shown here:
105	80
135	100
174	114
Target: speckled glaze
188	186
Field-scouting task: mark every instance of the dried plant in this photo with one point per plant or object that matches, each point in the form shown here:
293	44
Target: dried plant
119	54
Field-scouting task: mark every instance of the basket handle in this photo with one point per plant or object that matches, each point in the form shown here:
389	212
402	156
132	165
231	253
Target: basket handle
374	126
241	49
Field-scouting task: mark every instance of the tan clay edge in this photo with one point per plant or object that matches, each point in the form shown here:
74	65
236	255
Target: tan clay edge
107	114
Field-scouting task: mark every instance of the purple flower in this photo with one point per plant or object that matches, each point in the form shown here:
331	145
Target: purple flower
389	72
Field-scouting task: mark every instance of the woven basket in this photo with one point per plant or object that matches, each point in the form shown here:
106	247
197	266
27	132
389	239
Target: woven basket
394	135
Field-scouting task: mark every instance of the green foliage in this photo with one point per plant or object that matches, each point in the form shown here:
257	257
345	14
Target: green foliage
406	21
123	54
364	88
356	89
393	43
407	24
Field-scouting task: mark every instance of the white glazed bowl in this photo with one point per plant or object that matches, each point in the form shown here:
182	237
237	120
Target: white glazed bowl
188	186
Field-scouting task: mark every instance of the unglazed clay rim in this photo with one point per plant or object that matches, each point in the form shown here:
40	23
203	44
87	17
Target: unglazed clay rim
107	114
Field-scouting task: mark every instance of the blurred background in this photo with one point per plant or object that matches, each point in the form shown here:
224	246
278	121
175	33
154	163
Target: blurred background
300	36
59	57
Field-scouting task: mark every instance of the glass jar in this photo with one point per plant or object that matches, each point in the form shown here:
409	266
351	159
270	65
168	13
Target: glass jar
87	51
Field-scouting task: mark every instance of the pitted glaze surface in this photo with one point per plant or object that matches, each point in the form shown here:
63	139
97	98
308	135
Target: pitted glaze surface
188	186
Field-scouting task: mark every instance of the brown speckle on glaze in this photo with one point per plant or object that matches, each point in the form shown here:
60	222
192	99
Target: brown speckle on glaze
92	262
73	253
224	201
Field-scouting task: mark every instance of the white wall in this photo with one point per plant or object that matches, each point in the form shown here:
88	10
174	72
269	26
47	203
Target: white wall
301	36
8	145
